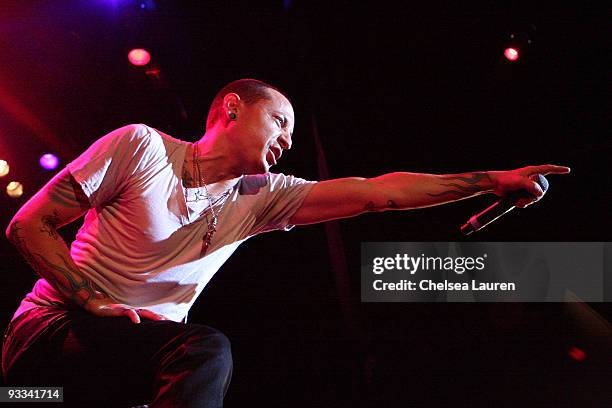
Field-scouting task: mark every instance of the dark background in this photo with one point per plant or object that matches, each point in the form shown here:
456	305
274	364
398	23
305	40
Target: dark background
387	86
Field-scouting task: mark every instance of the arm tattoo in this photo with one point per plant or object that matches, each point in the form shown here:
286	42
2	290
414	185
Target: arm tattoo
392	204
465	184
76	282
50	223
370	206
19	242
472	179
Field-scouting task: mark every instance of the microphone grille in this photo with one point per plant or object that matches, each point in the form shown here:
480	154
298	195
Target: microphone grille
541	180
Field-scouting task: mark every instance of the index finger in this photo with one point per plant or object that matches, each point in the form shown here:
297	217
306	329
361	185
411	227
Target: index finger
548	169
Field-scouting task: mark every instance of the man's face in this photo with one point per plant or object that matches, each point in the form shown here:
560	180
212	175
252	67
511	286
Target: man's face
264	130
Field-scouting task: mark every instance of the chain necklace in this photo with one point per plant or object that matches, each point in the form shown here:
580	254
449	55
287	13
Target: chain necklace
214	216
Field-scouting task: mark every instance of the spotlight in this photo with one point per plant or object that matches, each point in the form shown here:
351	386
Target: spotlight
139	57
511	54
153	71
4	168
147	5
49	161
518	43
576	354
14	189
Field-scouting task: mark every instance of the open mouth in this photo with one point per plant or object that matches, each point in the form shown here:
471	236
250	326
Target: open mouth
270	159
274	154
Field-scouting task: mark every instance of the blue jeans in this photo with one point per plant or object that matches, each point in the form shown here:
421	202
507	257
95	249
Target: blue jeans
112	362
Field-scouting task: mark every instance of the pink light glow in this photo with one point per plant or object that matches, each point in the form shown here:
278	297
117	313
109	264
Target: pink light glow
49	161
139	57
511	53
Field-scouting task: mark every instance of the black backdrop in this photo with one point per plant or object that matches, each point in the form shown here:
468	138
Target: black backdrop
387	87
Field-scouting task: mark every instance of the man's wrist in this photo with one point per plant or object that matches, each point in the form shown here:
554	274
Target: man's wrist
85	294
465	185
489	181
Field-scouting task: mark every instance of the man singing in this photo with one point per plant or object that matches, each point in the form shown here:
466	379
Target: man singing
109	315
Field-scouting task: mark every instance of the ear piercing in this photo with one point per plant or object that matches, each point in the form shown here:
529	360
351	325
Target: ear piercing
232	115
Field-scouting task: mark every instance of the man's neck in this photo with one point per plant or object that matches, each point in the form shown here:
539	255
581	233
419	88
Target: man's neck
214	162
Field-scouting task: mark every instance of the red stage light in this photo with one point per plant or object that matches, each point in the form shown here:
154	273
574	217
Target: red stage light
139	57
576	354
153	72
511	53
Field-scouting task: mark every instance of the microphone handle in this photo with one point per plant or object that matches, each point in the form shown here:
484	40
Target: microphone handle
487	216
499	208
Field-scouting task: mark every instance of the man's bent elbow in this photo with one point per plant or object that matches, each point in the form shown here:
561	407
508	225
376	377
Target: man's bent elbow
12	230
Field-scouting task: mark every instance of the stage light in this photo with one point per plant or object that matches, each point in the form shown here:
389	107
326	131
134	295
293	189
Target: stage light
139	57
147	5
49	161
512	54
14	189
518	43
576	354
153	72
4	168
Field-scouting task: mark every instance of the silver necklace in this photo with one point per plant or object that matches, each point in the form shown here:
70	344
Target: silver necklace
211	222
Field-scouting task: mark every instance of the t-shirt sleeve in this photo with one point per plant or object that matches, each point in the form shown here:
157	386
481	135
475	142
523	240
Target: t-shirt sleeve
278	198
105	168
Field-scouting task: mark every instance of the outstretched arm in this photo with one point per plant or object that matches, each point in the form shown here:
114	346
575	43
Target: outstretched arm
33	230
348	197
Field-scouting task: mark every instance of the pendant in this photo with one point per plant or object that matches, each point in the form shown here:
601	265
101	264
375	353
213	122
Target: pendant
204	249
198	196
207	240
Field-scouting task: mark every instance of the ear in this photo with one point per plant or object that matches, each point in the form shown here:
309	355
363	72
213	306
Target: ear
231	103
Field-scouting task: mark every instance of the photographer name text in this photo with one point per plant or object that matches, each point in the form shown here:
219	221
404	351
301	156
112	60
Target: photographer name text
429	285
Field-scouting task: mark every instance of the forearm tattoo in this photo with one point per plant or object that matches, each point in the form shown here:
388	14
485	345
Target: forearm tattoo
77	284
370	206
17	239
465	185
77	287
50	223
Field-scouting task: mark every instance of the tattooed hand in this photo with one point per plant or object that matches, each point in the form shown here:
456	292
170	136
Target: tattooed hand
505	182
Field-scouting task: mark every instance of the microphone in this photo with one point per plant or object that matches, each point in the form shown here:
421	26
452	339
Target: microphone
496	210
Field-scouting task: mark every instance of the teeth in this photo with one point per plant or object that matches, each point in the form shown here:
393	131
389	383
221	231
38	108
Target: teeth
273	161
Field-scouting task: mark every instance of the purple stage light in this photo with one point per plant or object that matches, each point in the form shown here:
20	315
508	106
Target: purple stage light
49	161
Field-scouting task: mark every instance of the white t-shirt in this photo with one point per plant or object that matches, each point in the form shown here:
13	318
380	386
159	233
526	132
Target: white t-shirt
141	240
